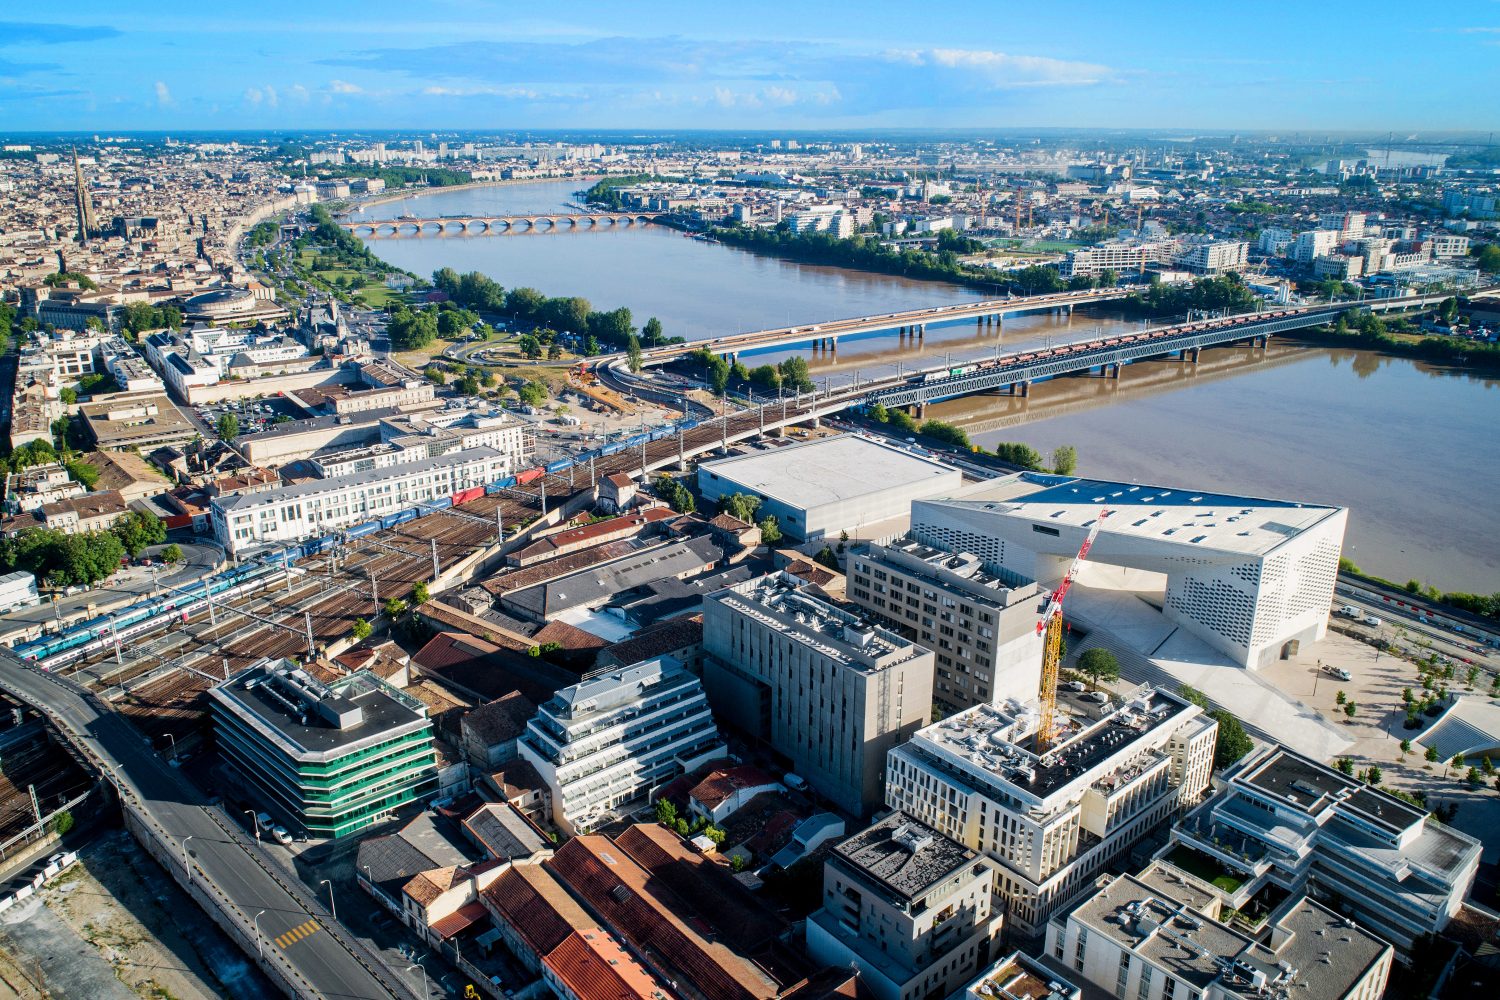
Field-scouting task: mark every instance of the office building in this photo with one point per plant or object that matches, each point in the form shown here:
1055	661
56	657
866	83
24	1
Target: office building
142	423
1159	936
982	632
1051	820
330	758
1288	821
828	691
817	489
1253	578
607	741
907	906
307	510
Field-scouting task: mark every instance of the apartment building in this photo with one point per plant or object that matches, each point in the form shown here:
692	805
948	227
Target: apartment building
1052	819
332	758
907	906
1159	936
306	510
1315	243
827	690
1287	820
982	631
1274	241
607	741
440	432
1215	257
1122	257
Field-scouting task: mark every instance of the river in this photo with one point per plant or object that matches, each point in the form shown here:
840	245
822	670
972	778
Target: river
1411	450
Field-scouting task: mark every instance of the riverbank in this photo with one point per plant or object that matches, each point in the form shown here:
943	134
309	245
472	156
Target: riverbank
402	194
1450	352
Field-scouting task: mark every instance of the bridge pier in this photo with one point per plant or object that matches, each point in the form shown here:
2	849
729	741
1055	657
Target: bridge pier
1193	355
1025	390
921	331
1114	371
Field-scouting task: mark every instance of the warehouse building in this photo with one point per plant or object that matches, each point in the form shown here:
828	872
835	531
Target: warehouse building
332	758
820	488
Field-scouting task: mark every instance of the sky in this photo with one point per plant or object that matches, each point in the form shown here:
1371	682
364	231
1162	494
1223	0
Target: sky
659	64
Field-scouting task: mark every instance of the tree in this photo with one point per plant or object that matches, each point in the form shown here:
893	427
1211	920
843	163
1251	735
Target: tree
68	395
361	630
1195	696
1405	748
172	554
1351	709
138	529
946	433
62	822
633	353
1340	698
770	533
1064	460
395	607
436	375
1473	778
1374	775
1488	258
1344	765
1432	755
795	374
1099	665
666	812
652	332
85	473
419	593
227	426
532	393
879	414
741	506
826	557
1018	454
902	421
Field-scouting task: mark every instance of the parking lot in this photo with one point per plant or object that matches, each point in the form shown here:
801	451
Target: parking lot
253	414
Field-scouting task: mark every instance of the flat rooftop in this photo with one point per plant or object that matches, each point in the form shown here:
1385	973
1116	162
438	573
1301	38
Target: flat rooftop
1312	787
1002	741
831	470
1240	525
308	719
777	601
902	856
959	573
355	479
1019	977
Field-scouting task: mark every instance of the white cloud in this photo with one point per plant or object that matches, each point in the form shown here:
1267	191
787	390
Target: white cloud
1001	69
253	96
163	95
298	93
344	87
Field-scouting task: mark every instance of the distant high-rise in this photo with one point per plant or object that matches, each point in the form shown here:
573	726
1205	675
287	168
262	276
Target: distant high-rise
83	204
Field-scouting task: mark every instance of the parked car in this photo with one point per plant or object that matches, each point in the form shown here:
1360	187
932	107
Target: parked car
1074	686
1372	621
1339	672
264	821
281	835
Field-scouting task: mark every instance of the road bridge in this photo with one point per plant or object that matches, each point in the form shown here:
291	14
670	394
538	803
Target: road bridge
987	314
205	851
495	225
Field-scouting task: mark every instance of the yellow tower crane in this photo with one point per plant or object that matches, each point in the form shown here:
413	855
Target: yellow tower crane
1051	628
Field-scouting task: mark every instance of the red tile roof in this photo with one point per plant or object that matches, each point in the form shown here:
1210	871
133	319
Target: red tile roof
460	919
531	900
593	966
605	877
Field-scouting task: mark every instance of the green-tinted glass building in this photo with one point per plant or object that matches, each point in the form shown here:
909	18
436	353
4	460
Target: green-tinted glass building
332	758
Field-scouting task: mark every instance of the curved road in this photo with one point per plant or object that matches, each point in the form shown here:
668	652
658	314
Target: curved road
295	932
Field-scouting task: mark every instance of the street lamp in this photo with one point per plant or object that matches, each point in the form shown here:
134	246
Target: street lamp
173	740
185	867
425	991
254	824
332	907
260	943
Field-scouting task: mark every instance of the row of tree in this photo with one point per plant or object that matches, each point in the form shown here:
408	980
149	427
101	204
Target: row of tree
791	374
1064	457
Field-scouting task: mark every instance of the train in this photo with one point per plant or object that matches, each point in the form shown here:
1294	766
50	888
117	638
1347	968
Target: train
53	651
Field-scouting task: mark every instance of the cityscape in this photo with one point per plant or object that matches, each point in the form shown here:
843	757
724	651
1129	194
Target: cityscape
597	505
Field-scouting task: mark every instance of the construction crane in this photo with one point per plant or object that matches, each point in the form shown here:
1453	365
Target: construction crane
1051	628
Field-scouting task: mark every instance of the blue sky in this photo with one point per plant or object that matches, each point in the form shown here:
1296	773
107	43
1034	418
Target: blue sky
493	64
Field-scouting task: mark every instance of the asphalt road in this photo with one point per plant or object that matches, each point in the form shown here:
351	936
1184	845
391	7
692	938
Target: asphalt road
295	931
126	587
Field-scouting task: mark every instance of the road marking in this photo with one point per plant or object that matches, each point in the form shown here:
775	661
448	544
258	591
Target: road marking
302	930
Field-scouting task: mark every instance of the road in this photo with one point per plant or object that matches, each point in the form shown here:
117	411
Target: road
123	588
294	931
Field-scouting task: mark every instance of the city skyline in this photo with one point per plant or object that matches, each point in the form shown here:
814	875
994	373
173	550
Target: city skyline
480	64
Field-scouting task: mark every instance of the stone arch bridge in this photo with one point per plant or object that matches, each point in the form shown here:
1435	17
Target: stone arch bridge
496	225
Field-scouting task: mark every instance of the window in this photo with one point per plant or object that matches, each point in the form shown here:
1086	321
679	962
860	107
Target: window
1045	529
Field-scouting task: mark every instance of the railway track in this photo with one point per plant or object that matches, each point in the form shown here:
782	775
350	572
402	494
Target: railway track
161	682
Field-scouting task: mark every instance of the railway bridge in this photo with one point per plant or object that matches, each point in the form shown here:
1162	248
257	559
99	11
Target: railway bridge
496	225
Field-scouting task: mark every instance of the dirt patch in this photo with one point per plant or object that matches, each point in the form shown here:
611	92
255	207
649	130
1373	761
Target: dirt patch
124	910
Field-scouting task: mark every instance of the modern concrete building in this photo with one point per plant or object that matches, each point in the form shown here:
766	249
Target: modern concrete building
332	758
607	741
1052	820
1214	256
983	632
908	907
1290	822
252	520
828	691
142	422
1159	936
820	488
1253	578
1018	976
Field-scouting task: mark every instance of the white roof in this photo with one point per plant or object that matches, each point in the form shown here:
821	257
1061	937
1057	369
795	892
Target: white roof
832	470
